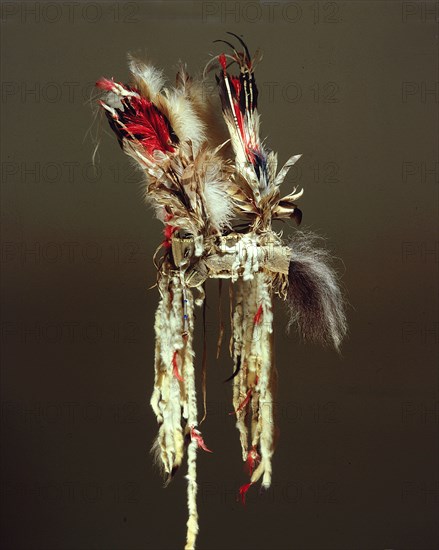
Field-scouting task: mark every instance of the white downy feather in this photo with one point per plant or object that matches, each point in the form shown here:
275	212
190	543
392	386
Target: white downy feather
218	204
184	119
152	78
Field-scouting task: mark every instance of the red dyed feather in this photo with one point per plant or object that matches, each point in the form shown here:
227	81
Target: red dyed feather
243	491
257	318
195	434
223	61
175	370
139	119
253	460
168	231
105	84
148	125
236	83
244	402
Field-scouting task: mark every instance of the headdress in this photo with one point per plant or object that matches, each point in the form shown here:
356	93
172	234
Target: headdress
217	205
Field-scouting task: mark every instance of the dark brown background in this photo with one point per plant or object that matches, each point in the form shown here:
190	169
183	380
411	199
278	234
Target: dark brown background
353	88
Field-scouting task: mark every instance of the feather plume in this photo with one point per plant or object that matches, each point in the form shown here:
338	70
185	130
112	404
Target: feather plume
239	96
138	119
183	117
218	204
149	79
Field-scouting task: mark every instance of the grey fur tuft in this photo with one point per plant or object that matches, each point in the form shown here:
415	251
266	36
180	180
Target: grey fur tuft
315	300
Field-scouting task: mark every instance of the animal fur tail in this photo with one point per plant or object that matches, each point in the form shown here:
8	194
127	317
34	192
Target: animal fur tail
315	300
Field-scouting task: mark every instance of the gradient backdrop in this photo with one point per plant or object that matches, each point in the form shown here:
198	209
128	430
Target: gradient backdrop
350	85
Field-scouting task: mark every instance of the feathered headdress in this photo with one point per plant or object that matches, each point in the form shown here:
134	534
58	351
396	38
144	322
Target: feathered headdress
218	215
